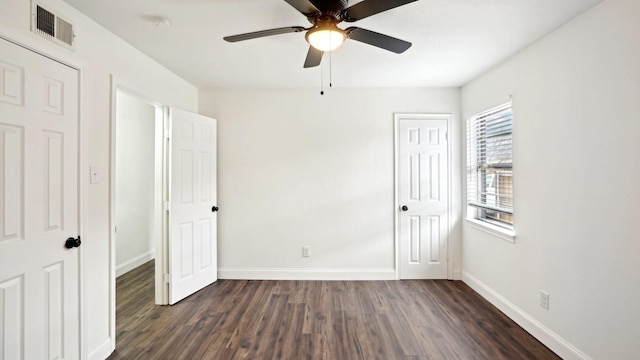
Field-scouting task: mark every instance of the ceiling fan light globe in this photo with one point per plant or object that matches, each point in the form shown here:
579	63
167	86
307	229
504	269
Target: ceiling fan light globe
325	39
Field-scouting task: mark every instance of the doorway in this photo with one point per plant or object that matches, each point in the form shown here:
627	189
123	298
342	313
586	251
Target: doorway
159	153
422	195
137	193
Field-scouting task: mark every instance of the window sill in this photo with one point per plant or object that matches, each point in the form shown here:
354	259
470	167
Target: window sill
502	233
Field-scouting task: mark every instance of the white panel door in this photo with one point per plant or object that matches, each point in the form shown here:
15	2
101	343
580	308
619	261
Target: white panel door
423	197
192	214
39	276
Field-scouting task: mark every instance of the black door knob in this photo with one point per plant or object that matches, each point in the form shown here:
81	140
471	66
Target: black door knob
214	209
404	208
71	243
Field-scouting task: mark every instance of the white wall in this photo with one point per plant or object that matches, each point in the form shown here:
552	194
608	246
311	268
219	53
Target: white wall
296	168
576	102
100	54
135	176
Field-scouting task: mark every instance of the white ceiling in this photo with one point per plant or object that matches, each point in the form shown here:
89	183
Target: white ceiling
453	40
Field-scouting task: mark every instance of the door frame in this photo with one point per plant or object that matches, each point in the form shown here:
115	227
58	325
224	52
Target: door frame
62	56
397	117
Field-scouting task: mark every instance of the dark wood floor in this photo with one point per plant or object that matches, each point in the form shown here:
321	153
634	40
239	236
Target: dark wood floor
316	320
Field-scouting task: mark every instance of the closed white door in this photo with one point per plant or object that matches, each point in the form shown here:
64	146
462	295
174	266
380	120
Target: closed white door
39	276
193	208
423	195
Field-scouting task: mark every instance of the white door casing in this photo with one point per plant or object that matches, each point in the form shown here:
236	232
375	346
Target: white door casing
192	198
39	193
423	196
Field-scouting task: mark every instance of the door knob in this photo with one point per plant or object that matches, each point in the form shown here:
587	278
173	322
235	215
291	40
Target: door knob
71	243
404	208
214	209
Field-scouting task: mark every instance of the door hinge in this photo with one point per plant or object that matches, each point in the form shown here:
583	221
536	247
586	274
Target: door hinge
166	206
446	136
167	279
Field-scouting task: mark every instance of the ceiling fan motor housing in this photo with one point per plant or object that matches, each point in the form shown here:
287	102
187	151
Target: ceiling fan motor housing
330	12
331	5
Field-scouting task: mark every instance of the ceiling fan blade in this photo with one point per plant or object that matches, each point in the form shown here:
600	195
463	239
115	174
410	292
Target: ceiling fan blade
376	39
314	57
304	6
263	33
367	8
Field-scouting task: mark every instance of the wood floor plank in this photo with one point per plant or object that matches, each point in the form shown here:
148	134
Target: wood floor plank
316	320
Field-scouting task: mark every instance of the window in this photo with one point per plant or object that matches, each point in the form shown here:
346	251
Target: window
489	167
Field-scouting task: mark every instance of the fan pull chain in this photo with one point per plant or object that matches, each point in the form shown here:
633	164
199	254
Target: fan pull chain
322	74
330	69
330	52
321	80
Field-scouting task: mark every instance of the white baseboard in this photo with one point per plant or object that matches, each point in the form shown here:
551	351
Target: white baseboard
550	339
131	264
103	351
306	274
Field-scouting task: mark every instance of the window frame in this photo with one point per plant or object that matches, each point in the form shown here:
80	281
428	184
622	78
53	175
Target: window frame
477	207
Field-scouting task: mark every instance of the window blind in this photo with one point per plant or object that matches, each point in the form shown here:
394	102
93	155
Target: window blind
490	164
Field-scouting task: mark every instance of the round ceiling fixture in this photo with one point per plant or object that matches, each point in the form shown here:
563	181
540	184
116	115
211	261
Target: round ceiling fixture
326	37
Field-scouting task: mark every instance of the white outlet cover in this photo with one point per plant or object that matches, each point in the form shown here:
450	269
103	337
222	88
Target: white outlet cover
544	300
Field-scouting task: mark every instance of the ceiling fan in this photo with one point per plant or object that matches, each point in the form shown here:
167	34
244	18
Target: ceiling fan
324	34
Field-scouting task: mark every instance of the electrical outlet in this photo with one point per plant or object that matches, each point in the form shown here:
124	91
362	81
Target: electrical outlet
306	251
544	300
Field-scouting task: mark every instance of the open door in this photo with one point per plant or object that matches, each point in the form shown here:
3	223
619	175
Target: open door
192	204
